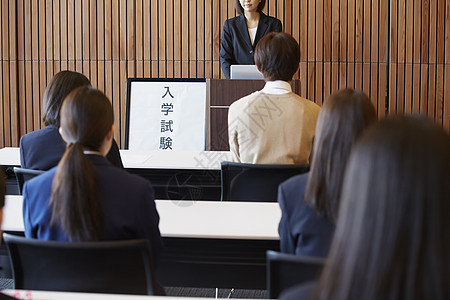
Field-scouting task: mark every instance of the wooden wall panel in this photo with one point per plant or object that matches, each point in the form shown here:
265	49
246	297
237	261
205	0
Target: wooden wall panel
397	51
417	69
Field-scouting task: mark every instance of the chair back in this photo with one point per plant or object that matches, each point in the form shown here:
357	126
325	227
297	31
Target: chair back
119	267
23	175
255	182
287	270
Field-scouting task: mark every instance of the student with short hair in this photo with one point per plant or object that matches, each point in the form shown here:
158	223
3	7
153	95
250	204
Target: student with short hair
241	34
392	238
274	125
86	198
42	149
309	202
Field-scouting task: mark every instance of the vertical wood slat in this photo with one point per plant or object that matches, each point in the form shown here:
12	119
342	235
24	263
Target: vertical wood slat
100	55
409	13
4	113
21	89
200	39
169	38
351	6
177	38
343	44
63	38
208	44
192	39
14	69
184	39
93	52
162	38
147	38
121	72
2	95
319	52
217	29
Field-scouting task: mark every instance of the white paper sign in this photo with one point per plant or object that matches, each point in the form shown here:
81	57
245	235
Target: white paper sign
167	115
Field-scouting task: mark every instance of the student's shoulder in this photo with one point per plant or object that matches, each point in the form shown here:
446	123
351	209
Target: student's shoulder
35	133
295	181
239	104
45	136
291	195
307	103
295	186
125	178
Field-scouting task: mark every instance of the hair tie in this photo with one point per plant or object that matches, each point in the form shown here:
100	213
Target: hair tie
74	144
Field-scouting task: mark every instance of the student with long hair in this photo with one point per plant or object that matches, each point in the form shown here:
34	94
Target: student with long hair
309	202
392	239
42	149
86	198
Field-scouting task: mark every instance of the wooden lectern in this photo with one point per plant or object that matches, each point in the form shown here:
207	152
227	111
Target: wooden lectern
221	93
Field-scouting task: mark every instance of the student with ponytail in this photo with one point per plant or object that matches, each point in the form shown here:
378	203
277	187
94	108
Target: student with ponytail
86	198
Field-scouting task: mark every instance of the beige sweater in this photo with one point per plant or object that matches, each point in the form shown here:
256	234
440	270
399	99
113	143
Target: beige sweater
272	129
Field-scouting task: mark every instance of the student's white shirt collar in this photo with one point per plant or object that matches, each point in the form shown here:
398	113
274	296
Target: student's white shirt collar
277	87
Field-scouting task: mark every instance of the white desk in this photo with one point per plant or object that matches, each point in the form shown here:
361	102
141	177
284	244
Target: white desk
165	169
45	295
189	160
10	156
189	219
227	239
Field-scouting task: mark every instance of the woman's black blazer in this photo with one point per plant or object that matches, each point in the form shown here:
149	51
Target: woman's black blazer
235	45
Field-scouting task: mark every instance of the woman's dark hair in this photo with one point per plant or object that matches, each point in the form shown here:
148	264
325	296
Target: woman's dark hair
240	9
86	119
342	119
392	237
59	87
277	56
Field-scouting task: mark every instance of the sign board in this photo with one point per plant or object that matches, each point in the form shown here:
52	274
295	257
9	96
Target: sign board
165	114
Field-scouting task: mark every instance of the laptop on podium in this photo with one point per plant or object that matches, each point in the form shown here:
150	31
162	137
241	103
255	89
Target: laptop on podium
245	72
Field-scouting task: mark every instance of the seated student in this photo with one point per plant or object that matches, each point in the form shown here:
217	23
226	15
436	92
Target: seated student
2	194
2	203
86	198
42	149
274	125
309	202
392	236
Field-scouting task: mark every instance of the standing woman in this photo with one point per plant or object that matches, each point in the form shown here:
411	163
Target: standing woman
86	198
242	33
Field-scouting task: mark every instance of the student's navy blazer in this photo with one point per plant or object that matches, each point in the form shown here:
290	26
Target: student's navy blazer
42	149
302	231
235	45
127	201
299	292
